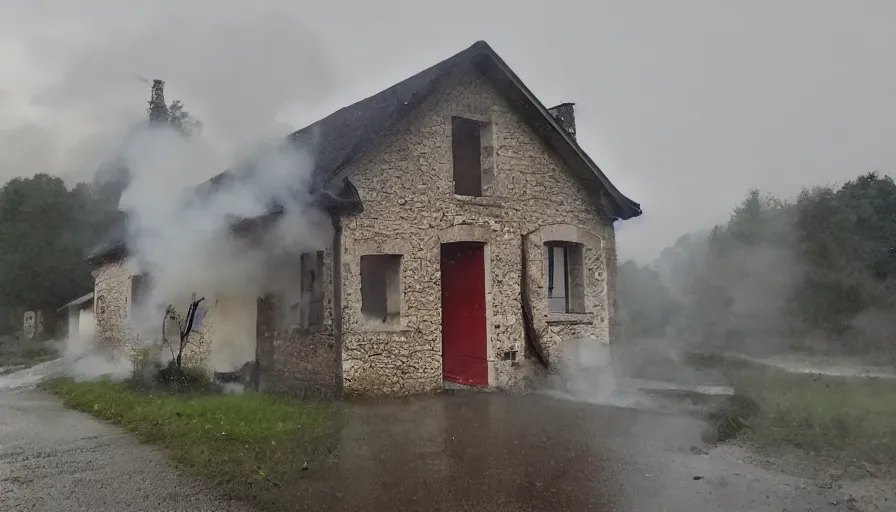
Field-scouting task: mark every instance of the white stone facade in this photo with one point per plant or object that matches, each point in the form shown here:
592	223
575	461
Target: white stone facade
406	185
410	208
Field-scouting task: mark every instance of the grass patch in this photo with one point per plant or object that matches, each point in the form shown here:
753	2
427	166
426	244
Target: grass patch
26	353
249	442
840	418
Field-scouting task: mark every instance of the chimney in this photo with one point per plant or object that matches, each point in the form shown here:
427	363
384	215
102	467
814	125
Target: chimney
158	110
565	116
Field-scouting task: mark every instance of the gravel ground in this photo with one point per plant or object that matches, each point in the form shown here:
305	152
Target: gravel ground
53	459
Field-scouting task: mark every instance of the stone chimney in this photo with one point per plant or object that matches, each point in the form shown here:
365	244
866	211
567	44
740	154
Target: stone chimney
565	115
158	110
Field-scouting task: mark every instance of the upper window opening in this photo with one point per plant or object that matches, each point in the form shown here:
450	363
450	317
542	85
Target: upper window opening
466	149
312	297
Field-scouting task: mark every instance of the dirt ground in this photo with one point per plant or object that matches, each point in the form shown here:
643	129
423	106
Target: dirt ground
465	452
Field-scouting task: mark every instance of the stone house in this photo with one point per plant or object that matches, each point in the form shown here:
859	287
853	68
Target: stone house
473	237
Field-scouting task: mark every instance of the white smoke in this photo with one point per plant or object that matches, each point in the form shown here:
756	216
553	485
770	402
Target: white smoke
184	241
236	71
585	372
80	359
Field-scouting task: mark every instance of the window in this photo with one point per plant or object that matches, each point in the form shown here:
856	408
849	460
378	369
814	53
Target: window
565	272
466	149
139	291
381	287
199	315
311	301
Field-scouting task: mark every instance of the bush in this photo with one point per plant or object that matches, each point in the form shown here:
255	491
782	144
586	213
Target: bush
149	374
845	419
186	379
730	418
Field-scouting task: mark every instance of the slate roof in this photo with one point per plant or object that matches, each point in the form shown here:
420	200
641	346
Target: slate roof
345	134
78	301
113	242
341	137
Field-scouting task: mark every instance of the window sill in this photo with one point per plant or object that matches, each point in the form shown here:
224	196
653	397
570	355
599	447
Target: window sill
392	324
394	329
478	200
311	329
570	319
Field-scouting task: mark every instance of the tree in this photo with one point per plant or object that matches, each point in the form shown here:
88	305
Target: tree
646	306
184	327
47	230
181	120
173	116
820	268
42	262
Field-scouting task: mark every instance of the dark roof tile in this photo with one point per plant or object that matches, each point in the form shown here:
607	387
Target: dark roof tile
342	136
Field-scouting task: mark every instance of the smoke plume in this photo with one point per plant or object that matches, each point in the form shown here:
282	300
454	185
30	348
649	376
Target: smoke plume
236	71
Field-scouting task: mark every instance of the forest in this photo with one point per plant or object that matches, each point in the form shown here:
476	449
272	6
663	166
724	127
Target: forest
815	273
48	227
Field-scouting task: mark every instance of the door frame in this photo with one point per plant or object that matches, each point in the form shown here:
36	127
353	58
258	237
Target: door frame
489	310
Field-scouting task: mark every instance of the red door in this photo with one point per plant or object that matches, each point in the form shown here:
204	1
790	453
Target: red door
464	355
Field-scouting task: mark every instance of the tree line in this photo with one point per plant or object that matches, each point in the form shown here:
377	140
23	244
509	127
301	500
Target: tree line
47	229
813	272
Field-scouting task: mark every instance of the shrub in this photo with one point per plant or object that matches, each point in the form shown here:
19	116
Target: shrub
149	374
730	418
186	379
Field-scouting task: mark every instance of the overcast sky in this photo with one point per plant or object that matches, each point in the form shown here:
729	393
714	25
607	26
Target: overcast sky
685	105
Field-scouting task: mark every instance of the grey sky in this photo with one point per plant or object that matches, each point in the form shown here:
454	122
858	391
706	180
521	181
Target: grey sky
685	105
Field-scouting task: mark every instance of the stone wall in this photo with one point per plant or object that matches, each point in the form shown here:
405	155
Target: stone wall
117	328
111	300
296	361
410	209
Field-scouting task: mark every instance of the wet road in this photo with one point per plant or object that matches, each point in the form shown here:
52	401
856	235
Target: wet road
482	452
528	453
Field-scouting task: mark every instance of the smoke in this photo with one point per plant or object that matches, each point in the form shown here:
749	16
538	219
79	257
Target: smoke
236	70
805	278
182	237
81	359
599	374
585	373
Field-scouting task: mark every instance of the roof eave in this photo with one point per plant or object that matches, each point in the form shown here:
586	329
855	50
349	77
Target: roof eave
117	252
77	302
623	207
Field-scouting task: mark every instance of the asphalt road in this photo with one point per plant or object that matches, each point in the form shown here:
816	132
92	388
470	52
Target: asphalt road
483	452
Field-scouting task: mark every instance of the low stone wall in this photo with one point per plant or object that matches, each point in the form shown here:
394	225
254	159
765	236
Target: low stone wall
301	364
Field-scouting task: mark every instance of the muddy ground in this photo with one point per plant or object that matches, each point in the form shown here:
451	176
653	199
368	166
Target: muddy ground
457	452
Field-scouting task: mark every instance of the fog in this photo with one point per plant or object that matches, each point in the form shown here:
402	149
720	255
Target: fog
796	282
683	106
237	71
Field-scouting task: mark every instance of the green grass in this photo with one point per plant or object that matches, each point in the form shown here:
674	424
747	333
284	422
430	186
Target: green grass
249	442
26	353
852	420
